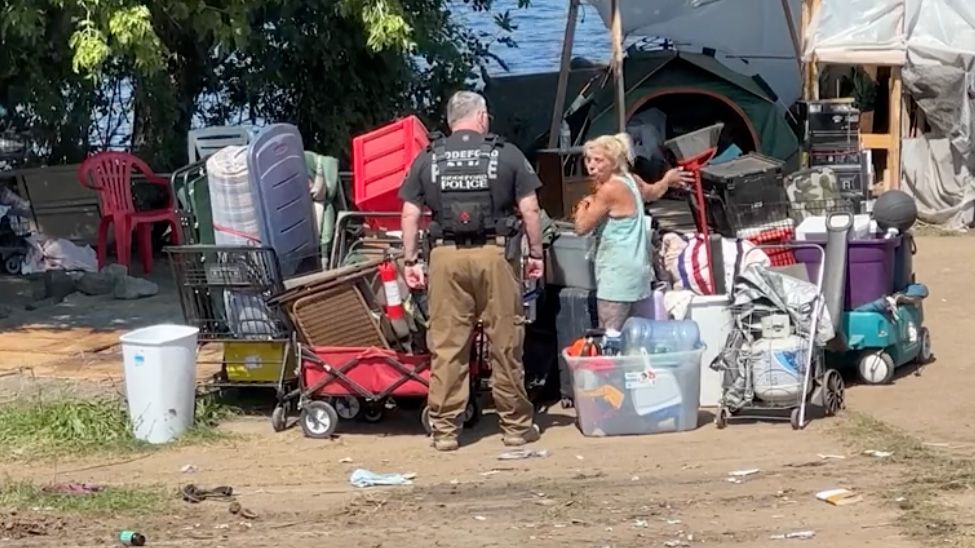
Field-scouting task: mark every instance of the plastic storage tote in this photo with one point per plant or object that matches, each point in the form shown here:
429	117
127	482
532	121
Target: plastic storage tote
252	361
380	161
569	262
636	394
744	193
576	314
869	268
160	380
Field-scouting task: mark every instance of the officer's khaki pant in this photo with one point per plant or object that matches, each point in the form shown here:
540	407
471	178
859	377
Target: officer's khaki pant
467	283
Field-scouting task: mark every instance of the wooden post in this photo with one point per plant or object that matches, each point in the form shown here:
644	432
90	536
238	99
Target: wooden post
810	89
560	91
617	33
895	130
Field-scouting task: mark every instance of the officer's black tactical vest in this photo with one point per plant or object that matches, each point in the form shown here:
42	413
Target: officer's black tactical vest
464	175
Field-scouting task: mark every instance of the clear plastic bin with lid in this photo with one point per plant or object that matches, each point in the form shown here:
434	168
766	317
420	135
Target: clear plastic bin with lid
653	386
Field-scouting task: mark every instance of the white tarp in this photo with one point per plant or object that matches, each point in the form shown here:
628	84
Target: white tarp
750	36
880	32
857	31
941	183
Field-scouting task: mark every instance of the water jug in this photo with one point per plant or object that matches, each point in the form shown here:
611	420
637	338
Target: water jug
659	336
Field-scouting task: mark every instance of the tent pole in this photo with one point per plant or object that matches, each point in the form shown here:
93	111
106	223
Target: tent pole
791	24
559	108
617	33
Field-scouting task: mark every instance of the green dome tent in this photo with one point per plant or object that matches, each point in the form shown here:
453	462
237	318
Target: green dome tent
694	91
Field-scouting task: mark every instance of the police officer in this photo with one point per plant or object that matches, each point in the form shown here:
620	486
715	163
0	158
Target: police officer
473	183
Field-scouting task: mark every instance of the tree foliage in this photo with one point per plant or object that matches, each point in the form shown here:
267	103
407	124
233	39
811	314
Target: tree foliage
154	68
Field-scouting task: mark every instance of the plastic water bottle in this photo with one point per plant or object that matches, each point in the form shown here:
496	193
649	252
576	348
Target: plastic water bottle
659	336
659	308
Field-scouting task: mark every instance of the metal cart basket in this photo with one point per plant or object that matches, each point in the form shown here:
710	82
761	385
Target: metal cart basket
224	291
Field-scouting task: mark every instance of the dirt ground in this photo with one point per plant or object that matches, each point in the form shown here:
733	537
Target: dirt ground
667	490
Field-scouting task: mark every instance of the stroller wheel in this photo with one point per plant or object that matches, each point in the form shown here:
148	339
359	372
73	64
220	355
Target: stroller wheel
279	418
318	420
721	418
348	407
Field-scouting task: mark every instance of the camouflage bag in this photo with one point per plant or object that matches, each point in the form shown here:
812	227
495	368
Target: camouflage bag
813	191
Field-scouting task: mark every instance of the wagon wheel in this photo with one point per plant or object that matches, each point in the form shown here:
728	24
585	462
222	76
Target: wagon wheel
834	392
318	420
348	407
876	367
926	353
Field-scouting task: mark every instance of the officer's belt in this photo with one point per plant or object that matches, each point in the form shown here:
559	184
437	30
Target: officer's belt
471	241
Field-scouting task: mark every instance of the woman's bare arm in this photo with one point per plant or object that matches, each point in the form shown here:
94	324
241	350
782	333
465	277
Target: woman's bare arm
595	207
651	192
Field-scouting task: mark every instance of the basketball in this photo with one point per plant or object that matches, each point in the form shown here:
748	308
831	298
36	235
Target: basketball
895	209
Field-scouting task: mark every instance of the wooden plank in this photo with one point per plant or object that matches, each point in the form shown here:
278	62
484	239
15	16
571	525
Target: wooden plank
57	341
896	128
558	109
875	141
617	34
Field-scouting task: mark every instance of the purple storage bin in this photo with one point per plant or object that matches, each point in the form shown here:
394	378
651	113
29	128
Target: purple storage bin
869	269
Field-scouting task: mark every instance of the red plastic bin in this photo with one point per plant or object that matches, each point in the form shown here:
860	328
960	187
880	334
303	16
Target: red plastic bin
380	160
350	371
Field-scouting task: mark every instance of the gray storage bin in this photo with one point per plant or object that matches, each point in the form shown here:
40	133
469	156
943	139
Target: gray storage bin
569	261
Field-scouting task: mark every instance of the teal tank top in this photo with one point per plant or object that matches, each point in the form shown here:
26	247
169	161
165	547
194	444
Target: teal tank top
622	265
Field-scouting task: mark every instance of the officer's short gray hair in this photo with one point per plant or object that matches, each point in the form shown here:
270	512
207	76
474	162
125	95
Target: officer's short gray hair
463	105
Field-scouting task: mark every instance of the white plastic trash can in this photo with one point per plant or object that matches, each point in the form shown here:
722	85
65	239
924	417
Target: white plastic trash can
160	380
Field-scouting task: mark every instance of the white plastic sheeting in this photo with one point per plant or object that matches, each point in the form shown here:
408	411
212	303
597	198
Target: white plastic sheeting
881	32
942	185
857	31
750	36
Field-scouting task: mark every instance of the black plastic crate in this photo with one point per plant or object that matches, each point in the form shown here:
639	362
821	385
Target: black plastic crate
743	193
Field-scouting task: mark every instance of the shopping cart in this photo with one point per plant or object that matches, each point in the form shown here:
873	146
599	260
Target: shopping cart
223	291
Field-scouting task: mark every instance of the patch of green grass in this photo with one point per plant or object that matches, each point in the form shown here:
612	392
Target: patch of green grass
70	426
110	501
928	478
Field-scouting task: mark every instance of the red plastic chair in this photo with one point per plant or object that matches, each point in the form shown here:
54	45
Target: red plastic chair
110	174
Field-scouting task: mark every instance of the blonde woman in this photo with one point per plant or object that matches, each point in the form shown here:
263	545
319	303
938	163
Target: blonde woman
614	211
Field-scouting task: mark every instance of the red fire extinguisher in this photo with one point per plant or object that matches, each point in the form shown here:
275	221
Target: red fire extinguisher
394	301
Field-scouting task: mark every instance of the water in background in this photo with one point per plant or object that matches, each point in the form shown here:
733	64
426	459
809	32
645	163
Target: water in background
539	35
